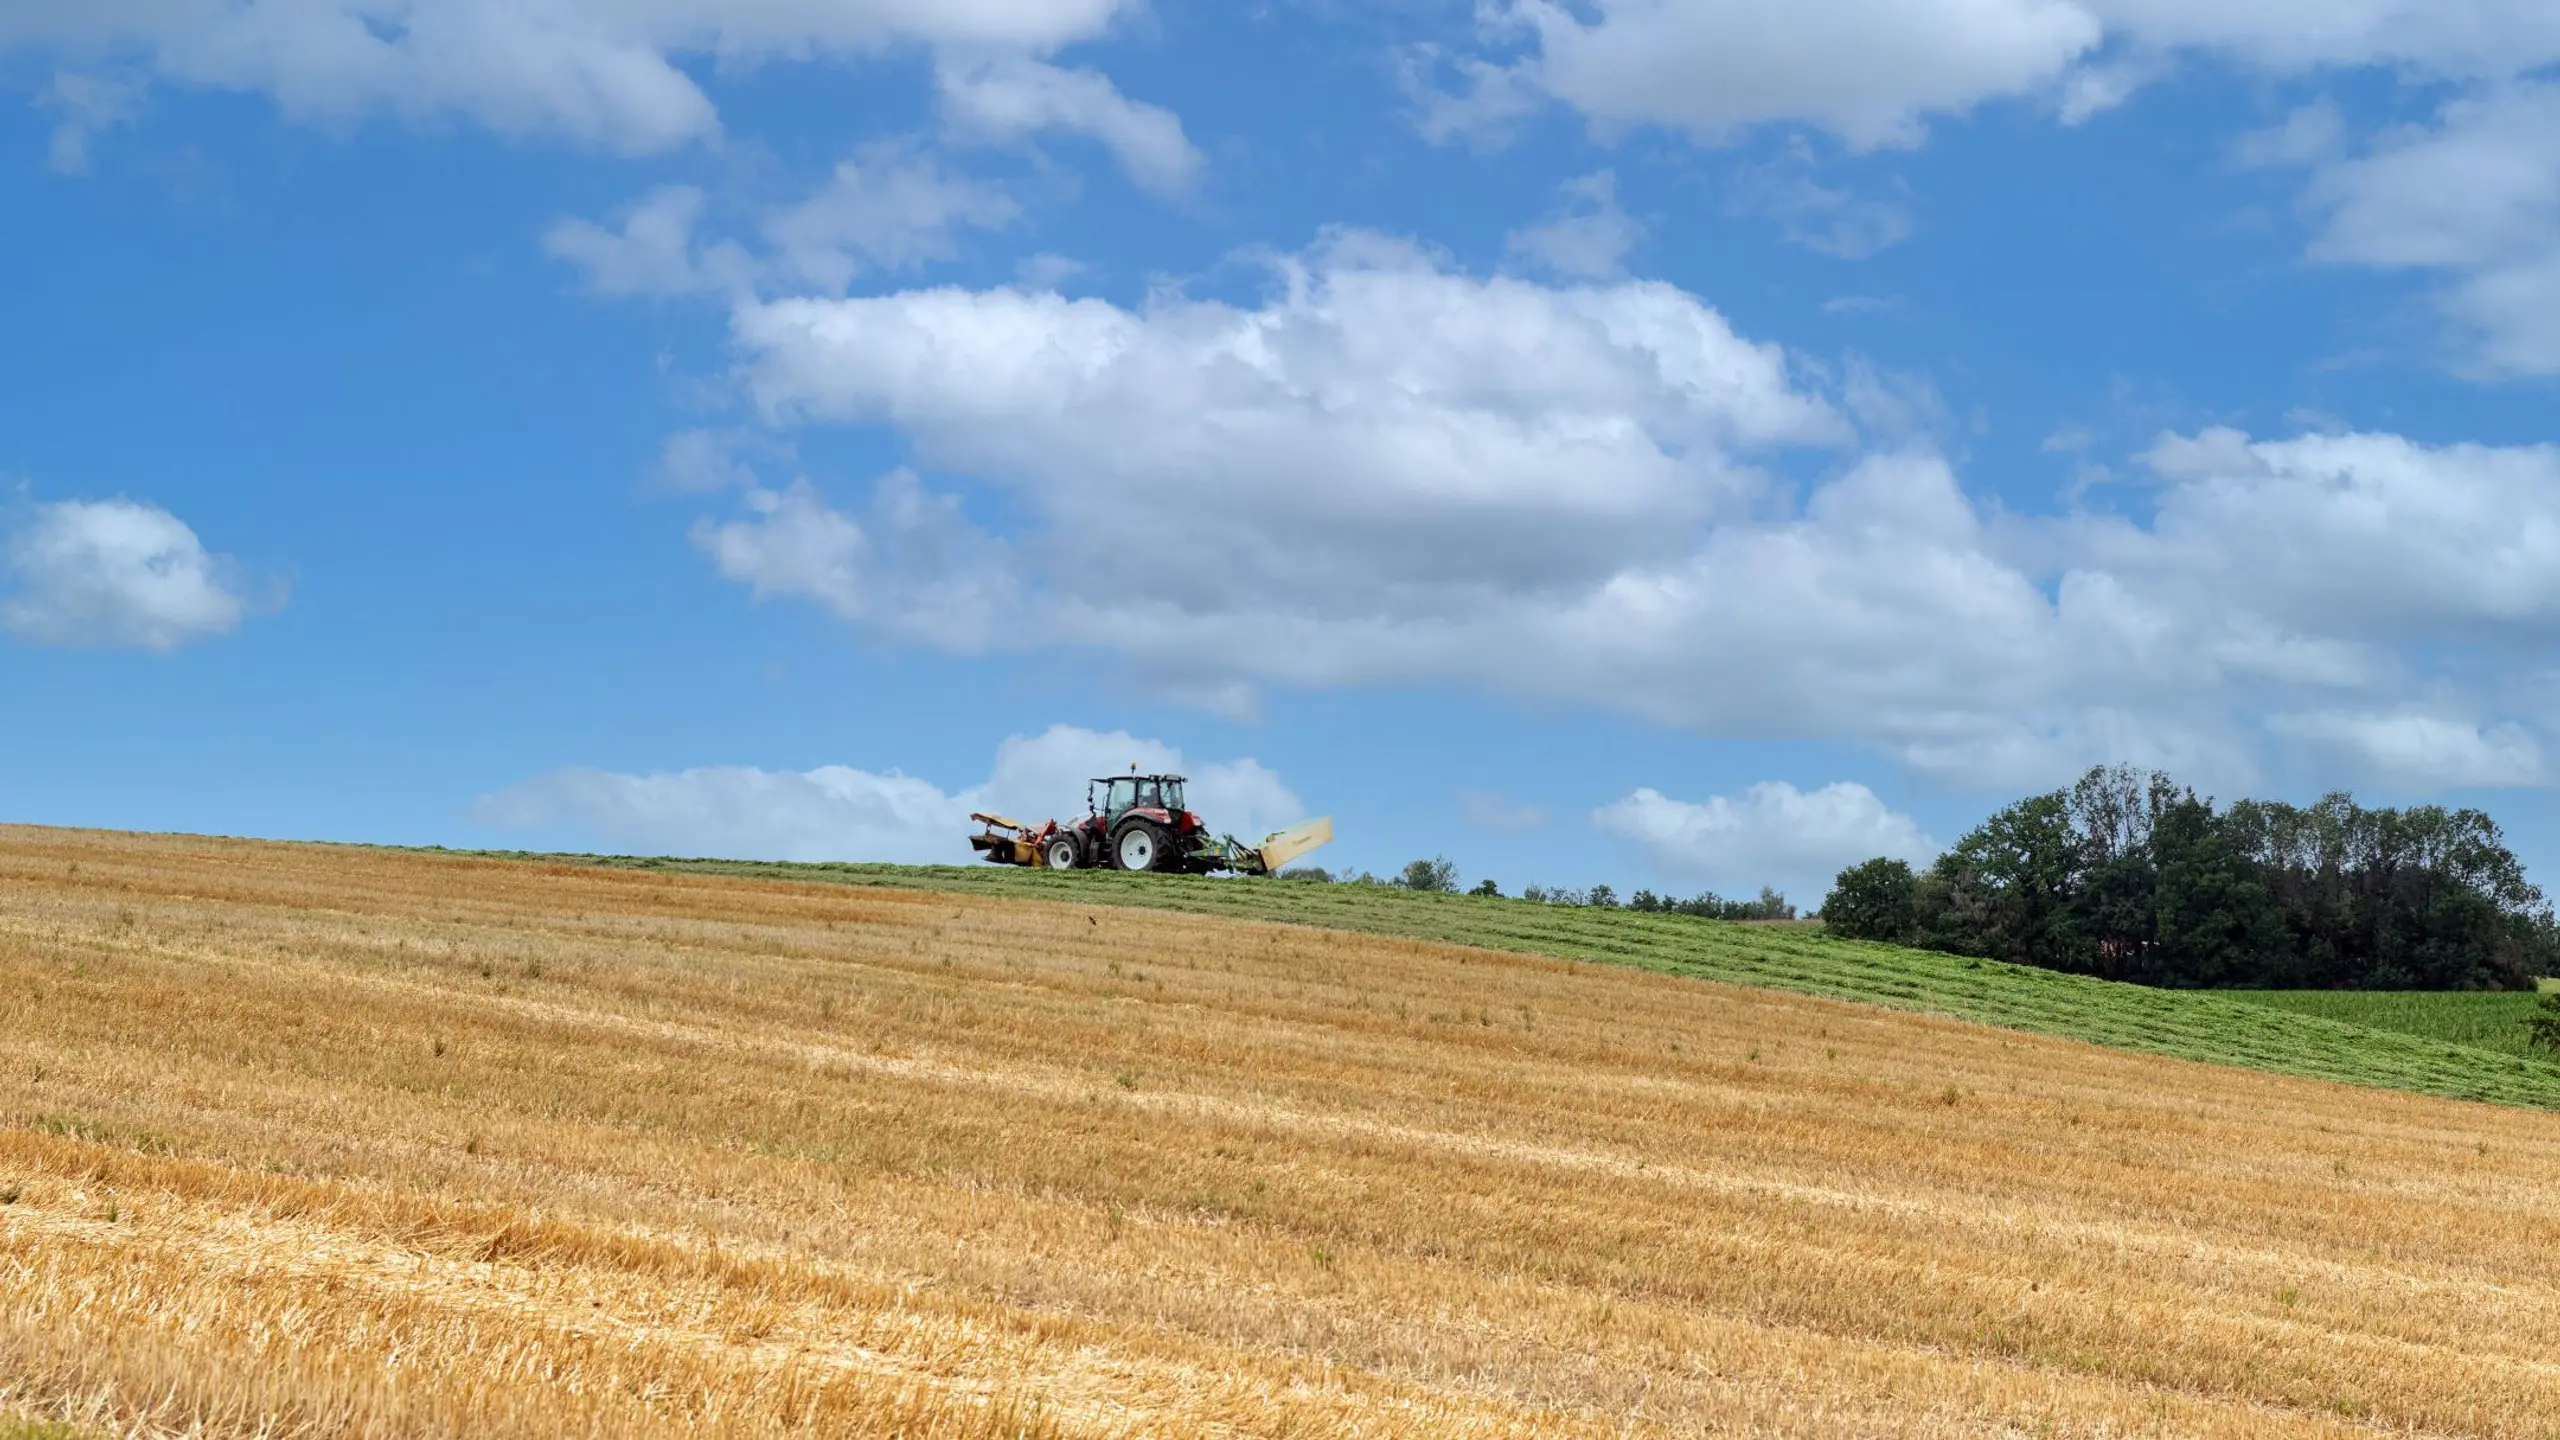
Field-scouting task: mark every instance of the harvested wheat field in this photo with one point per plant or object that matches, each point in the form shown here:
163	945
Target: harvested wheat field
305	1141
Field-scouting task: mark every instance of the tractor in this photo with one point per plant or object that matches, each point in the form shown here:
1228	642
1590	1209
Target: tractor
1139	822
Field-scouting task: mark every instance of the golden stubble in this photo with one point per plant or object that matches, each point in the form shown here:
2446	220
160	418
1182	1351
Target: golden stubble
312	1141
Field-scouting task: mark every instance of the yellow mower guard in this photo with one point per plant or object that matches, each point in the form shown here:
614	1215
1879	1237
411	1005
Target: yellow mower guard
1281	847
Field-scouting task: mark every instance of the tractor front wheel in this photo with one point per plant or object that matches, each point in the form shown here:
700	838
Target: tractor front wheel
1062	853
1141	847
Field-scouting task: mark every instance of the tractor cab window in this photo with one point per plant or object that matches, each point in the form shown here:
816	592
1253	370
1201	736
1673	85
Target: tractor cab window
1122	794
1173	797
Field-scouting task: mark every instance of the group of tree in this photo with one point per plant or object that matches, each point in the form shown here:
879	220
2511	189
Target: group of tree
1769	905
1440	875
2129	875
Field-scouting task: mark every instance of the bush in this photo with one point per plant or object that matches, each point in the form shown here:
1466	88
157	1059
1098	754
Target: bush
2544	1024
1488	889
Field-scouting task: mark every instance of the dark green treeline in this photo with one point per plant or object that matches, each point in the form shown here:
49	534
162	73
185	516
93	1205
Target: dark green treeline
2130	876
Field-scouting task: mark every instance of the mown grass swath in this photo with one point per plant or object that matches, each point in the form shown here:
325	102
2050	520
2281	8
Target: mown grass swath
2196	1025
2485	1019
317	1141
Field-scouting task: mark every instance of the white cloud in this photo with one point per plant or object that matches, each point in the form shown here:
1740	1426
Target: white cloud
1589	238
1873	72
2372	538
1005	98
1770	834
1822	218
2429	37
2091	90
1047	271
609	73
89	106
2474	197
890	208
652	252
2308	135
1391	474
2420	751
912	567
113	573
1869	71
836	812
1283	461
712	460
1503	817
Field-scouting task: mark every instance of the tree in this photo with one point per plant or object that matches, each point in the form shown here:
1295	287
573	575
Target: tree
1487	888
2015	878
1872	900
1770	906
2131	876
1602	896
2213	919
1438	874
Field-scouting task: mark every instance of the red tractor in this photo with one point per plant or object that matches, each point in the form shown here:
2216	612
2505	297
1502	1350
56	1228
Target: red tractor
1139	822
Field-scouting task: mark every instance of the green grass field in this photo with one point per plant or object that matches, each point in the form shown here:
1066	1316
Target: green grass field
2257	1031
2490	1021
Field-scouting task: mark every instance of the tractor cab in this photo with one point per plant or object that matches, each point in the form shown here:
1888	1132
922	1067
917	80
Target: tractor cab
1121	794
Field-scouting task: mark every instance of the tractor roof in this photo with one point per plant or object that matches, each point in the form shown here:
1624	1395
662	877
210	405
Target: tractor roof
1133	775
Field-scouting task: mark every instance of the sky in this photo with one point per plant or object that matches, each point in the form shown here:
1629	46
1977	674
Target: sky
1685	444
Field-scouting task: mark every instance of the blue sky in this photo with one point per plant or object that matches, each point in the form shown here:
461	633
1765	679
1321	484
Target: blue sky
1682	443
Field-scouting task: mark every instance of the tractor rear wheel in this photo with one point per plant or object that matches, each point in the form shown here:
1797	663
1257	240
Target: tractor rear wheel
1062	853
1141	846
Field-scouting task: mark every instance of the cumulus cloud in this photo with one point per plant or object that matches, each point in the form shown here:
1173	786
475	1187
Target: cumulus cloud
1770	834
113	574
2371	539
837	812
1873	72
2474	197
1005	98
2421	751
608	73
1390	473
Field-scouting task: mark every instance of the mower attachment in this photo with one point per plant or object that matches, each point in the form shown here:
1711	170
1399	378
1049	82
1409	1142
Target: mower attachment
1007	841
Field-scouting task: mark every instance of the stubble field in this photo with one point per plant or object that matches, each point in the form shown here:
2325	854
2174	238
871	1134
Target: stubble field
307	1141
